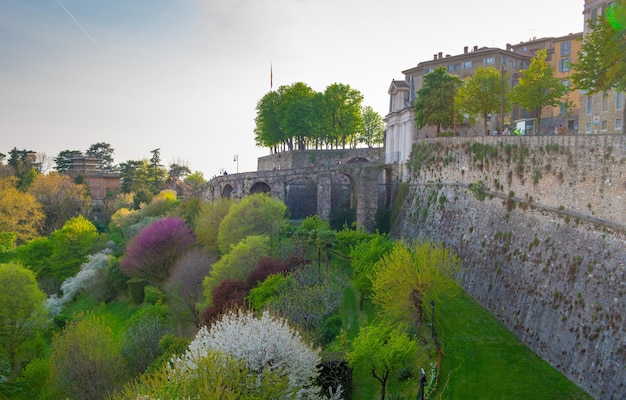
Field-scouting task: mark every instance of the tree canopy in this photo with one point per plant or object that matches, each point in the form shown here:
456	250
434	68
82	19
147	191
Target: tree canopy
481	94
434	104
538	87
297	117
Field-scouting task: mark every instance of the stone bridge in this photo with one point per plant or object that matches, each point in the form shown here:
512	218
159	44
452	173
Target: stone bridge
314	182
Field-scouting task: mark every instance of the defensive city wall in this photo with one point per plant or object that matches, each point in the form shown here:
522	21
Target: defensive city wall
540	223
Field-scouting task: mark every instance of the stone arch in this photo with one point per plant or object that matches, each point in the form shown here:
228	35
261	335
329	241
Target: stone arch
301	198
355	160
260	187
343	202
227	191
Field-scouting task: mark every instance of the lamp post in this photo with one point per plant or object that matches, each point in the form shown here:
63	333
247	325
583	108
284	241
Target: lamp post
236	159
432	319
420	395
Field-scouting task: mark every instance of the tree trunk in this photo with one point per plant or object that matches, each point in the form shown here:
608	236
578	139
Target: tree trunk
416	299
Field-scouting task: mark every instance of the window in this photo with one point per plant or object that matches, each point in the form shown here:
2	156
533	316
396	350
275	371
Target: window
563	110
589	105
451	67
566	49
564	64
565	82
618	124
587	127
467	64
490	61
503	60
429	70
605	102
604	125
619	100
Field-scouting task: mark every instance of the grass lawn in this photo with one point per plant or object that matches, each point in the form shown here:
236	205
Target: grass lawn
482	360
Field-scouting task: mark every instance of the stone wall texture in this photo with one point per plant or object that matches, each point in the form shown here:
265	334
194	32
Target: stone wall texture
540	223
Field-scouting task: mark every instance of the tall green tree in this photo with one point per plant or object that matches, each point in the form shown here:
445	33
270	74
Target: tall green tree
104	153
373	133
297	114
538	87
23	163
434	104
382	349
267	130
157	172
481	94
21	311
71	245
601	64
65	159
342	113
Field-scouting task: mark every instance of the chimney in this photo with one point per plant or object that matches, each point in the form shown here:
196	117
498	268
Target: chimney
475	48
465	49
509	47
440	55
434	56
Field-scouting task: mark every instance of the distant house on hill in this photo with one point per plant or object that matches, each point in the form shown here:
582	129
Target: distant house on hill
100	183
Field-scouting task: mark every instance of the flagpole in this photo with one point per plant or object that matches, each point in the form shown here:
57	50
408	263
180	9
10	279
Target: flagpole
271	77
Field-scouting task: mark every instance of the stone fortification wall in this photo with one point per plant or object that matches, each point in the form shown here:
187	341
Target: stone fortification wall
318	158
540	223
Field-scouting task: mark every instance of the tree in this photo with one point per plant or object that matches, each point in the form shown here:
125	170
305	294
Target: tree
65	159
237	264
538	87
19	212
601	64
86	362
185	282
157	172
257	214
342	113
104	153
264	344
71	245
23	163
297	115
178	171
382	349
408	273
216	376
140	346
60	198
208	222
196	181
434	104
156	248
365	256
373	132
482	94
268	131
21	311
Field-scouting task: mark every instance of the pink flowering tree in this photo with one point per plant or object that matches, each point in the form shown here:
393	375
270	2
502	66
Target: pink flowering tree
155	249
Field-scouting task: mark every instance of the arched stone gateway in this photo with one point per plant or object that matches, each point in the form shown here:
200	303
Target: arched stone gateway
227	191
356	160
260	187
301	198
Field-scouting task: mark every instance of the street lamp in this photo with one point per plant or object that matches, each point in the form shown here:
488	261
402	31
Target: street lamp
420	395
236	159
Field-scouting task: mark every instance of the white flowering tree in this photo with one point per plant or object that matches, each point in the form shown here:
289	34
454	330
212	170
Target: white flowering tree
264	344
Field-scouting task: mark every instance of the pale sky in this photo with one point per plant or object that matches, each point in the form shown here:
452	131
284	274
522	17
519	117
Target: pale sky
185	75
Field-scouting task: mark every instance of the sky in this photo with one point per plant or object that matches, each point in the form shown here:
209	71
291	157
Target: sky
185	76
